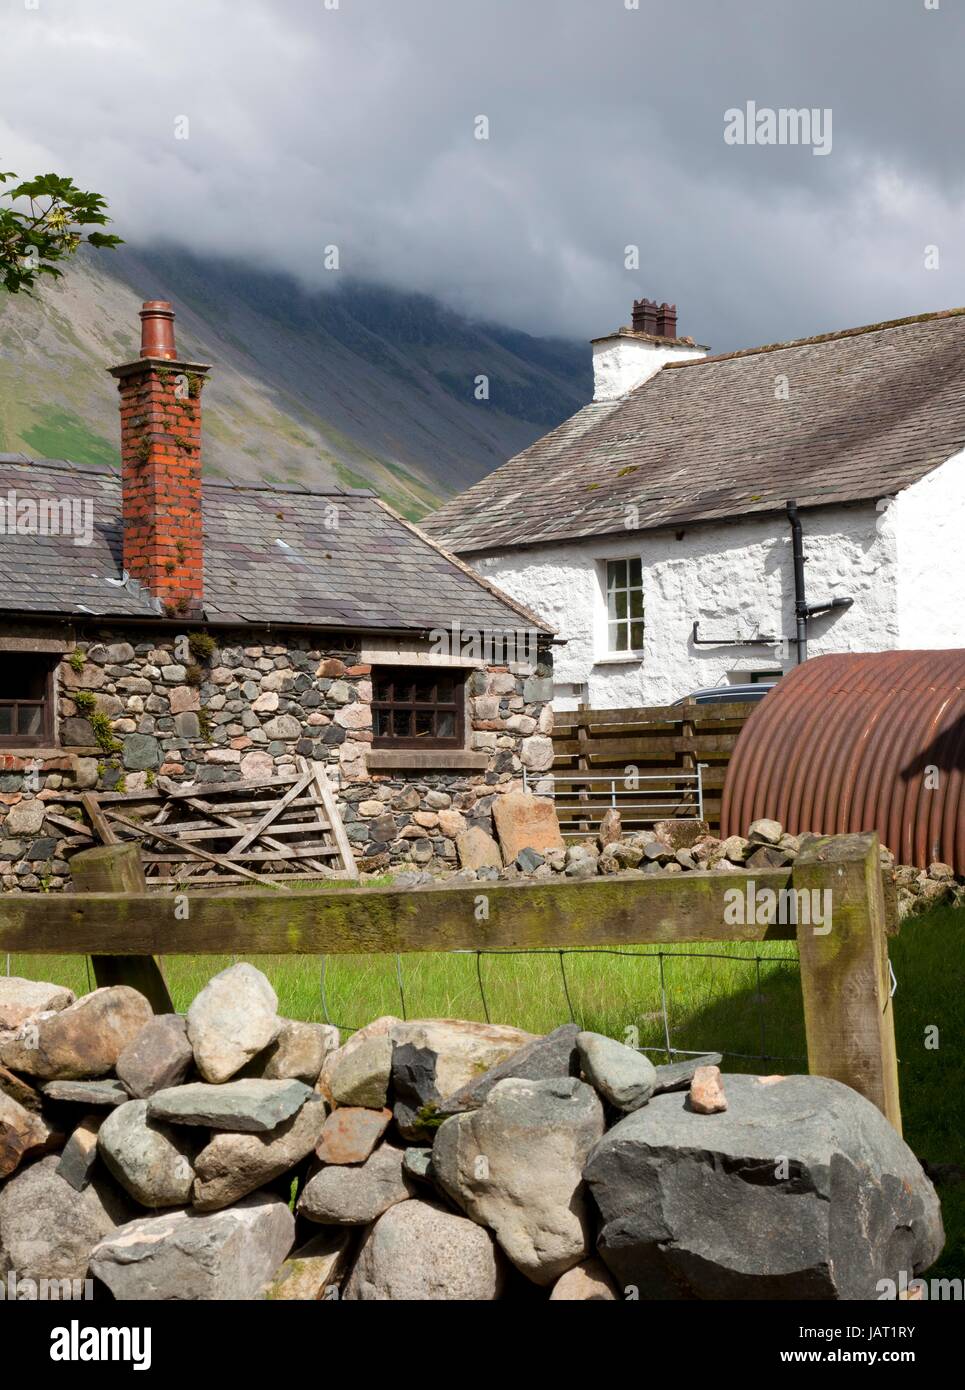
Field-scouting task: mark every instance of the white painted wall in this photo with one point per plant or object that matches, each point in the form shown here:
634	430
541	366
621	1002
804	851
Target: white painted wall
622	362
928	520
735	579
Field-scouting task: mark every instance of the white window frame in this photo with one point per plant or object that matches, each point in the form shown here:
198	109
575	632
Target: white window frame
606	653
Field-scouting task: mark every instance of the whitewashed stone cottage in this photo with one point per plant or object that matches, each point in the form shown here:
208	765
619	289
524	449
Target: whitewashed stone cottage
151	625
652	529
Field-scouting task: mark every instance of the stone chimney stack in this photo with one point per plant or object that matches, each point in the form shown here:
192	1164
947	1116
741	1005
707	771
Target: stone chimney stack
624	360
161	466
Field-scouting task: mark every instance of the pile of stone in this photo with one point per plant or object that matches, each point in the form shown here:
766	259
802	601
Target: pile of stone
234	1154
529	844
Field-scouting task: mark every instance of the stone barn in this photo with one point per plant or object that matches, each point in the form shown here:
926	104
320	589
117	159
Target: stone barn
154	625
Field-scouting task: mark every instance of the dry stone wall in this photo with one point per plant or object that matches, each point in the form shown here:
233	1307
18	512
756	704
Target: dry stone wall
234	1154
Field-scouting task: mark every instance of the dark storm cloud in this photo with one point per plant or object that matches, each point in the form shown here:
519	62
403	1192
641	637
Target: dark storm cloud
312	126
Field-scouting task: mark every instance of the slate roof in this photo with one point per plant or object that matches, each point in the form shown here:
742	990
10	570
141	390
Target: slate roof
870	411
272	555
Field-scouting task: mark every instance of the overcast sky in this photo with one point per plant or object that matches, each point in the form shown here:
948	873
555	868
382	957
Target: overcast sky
354	126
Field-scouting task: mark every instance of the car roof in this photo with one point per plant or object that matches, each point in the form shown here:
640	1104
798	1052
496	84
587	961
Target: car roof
725	690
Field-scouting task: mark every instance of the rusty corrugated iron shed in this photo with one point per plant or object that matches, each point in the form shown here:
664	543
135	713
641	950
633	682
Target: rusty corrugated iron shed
865	741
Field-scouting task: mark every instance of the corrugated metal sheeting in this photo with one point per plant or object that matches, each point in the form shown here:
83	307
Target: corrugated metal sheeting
869	741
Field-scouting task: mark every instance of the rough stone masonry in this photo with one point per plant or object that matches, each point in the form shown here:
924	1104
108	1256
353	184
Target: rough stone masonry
135	710
235	1154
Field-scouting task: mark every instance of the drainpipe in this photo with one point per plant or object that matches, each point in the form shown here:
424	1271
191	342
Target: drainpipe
800	600
802	609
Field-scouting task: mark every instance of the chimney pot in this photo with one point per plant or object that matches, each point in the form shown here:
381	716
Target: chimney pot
645	316
667	321
157	329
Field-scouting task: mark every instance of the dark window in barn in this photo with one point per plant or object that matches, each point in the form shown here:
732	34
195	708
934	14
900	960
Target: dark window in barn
26	699
417	707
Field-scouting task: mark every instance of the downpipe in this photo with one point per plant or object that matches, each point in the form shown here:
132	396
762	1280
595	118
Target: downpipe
802	609
800	598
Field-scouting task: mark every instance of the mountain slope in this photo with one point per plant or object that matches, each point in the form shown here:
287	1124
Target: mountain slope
359	384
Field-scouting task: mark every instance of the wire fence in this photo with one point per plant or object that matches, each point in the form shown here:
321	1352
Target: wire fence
667	1047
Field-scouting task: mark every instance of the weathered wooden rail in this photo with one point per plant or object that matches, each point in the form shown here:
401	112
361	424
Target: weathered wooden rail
843	956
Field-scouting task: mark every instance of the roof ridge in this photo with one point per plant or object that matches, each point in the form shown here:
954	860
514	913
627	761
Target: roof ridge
59	465
817	338
106	471
470	573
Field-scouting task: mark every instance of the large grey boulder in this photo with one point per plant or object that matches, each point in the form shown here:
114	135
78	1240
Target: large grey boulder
355	1194
194	1257
81	1041
232	1165
233	1018
48	1229
298	1052
554	1055
360	1075
800	1190
21	1000
378	1028
418	1251
516	1165
250	1106
620	1074
464	1049
151	1161
160	1056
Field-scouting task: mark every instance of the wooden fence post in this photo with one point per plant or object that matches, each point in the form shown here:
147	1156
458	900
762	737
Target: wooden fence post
117	869
583	715
845	978
688	730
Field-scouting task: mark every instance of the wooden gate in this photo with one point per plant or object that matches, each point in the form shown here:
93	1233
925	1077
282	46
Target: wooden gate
274	831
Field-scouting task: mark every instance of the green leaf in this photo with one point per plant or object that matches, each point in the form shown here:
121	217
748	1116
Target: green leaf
51	229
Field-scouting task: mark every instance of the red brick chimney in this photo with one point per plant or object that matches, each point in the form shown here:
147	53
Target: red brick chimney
161	465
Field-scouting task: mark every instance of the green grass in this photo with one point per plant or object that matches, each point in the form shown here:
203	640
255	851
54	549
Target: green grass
744	1000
